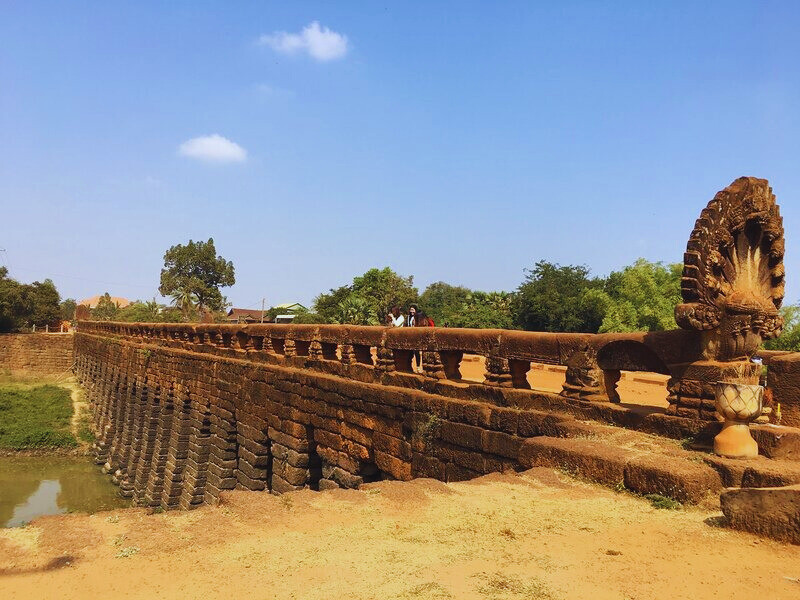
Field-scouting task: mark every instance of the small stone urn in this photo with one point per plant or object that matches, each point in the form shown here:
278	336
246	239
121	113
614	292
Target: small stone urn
738	403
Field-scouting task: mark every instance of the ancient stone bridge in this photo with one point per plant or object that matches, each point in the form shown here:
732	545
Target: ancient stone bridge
184	411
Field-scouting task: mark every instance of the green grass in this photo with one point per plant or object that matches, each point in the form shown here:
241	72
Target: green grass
33	417
85	433
663	502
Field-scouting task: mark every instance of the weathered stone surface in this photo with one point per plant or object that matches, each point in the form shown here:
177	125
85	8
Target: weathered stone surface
591	460
773	512
684	480
783	377
37	353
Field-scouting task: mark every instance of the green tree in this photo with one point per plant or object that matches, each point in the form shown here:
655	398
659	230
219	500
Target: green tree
556	298
195	272
444	302
642	297
483	310
355	310
46	304
327	305
306	317
380	289
141	312
15	305
383	288
790	337
106	309
68	307
24	305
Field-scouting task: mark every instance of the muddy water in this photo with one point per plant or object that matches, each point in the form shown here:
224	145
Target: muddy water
48	485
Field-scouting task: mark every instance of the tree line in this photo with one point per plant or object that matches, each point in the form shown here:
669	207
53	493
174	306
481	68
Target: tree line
551	297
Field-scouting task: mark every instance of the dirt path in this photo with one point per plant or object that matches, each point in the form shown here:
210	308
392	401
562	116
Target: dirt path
535	535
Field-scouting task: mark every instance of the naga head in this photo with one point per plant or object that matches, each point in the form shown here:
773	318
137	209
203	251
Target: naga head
733	276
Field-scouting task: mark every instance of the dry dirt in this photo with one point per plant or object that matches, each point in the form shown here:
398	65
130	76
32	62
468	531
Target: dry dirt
635	388
534	535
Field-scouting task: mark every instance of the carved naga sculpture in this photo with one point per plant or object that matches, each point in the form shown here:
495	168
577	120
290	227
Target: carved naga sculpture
733	276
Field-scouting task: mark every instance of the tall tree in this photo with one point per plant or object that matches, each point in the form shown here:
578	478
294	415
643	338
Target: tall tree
355	310
195	270
46	303
642	297
556	298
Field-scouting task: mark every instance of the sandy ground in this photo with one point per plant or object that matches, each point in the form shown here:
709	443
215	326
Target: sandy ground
534	535
643	389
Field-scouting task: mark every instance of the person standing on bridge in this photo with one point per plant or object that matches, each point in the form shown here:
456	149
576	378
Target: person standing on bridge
412	316
395	318
423	320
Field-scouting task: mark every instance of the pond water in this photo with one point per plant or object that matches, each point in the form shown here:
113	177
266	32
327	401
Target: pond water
32	486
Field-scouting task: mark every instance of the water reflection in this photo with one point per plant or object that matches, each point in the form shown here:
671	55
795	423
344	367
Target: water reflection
34	486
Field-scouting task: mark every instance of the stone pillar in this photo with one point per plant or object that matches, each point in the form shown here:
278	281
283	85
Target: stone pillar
385	362
692	385
585	380
432	366
498	372
196	471
348	354
177	452
155	480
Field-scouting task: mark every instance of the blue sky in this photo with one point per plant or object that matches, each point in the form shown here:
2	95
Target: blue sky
455	141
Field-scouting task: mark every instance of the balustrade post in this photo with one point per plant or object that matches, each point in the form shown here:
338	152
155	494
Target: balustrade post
585	380
385	362
348	354
432	365
498	373
315	350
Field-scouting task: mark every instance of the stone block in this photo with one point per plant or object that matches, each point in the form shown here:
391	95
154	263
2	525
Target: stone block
684	480
772	512
592	460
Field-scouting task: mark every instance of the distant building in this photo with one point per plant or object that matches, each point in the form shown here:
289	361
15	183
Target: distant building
291	307
246	315
92	302
288	311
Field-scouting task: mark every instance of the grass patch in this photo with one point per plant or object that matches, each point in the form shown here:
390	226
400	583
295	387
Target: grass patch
428	430
85	433
35	417
663	502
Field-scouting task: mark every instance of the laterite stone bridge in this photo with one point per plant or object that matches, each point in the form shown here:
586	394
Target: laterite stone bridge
185	411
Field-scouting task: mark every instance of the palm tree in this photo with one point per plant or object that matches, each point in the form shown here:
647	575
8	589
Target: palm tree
355	310
185	300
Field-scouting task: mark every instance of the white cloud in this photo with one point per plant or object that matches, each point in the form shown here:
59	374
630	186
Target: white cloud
319	42
213	148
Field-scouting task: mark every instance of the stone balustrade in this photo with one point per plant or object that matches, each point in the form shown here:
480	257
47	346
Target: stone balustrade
593	361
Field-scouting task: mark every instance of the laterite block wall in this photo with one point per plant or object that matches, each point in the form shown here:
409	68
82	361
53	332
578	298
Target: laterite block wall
177	427
36	353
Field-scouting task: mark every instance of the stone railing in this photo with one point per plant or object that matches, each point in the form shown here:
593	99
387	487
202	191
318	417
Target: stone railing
593	361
